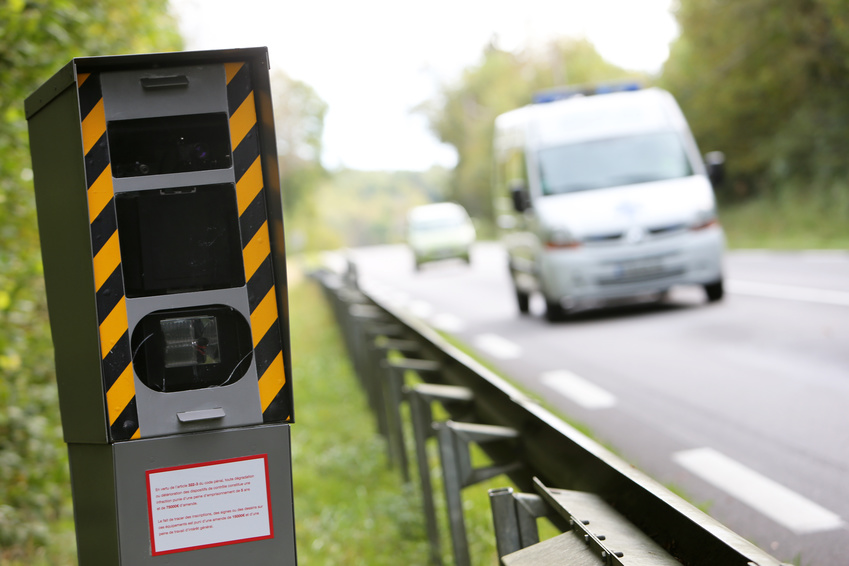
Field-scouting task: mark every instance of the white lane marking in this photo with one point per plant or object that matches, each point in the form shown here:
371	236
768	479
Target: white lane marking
498	347
574	387
448	322
421	309
814	256
417	307
789	292
780	504
825	256
397	298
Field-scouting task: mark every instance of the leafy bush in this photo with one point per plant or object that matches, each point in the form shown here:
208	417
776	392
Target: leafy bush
36	39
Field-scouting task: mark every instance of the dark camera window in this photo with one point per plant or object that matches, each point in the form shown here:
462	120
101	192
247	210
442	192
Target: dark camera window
179	240
169	144
195	348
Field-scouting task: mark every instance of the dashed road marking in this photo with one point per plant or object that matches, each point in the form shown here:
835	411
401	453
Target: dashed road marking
825	256
770	498
788	292
421	309
398	298
447	323
576	388
498	347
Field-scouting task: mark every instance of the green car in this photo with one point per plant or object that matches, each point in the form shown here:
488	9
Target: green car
439	231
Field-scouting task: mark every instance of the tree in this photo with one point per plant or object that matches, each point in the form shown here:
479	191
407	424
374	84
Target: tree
299	124
465	112
765	81
360	208
36	39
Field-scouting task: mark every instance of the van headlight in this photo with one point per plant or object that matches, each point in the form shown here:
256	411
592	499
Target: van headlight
560	238
704	219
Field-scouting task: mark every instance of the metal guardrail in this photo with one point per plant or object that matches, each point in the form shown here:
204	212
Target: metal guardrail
581	486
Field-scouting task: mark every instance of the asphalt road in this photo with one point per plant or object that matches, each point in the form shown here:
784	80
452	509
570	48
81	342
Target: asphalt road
742	405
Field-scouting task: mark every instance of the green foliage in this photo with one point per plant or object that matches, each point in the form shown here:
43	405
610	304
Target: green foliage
36	39
790	217
762	80
464	114
765	82
355	208
299	124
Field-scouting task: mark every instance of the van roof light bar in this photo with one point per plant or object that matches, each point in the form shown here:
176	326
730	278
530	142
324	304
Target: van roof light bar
562	93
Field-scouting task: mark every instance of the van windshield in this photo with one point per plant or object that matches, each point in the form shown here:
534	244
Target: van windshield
436	223
612	162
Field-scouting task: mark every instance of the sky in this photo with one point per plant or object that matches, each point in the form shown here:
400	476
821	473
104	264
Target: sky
374	61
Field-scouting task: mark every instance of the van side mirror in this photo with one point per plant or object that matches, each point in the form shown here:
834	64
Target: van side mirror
519	194
715	162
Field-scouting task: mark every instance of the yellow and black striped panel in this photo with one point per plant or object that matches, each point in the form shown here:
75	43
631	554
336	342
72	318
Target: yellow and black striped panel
256	248
116	360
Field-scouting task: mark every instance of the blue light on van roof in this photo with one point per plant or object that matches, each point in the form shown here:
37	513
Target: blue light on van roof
558	94
544	97
623	87
562	93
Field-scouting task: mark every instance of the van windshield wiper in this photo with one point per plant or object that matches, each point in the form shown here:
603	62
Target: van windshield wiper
573	188
634	179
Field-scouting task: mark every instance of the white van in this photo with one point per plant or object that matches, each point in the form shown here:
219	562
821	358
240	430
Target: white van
605	196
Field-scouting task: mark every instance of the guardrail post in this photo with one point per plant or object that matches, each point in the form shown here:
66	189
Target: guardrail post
369	323
361	316
408	349
351	274
421	414
394	396
514	516
343	299
374	355
458	472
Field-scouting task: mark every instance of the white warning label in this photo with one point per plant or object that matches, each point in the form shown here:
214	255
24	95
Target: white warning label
209	504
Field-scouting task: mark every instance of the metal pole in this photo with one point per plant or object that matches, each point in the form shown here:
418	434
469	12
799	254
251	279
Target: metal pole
504	520
453	484
422	418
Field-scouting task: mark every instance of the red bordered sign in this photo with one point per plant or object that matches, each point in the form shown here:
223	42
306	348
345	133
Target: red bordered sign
209	504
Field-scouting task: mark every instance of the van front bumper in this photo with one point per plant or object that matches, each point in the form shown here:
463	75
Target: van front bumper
613	271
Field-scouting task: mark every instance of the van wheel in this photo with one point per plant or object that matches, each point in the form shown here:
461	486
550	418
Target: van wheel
523	300
554	311
714	291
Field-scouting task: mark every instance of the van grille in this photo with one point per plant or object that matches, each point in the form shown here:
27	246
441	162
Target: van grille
613	238
642	269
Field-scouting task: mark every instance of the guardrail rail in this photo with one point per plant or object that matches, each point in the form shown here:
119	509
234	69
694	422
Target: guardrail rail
609	512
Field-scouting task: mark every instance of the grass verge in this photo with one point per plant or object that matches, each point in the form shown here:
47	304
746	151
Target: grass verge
790	219
350	507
